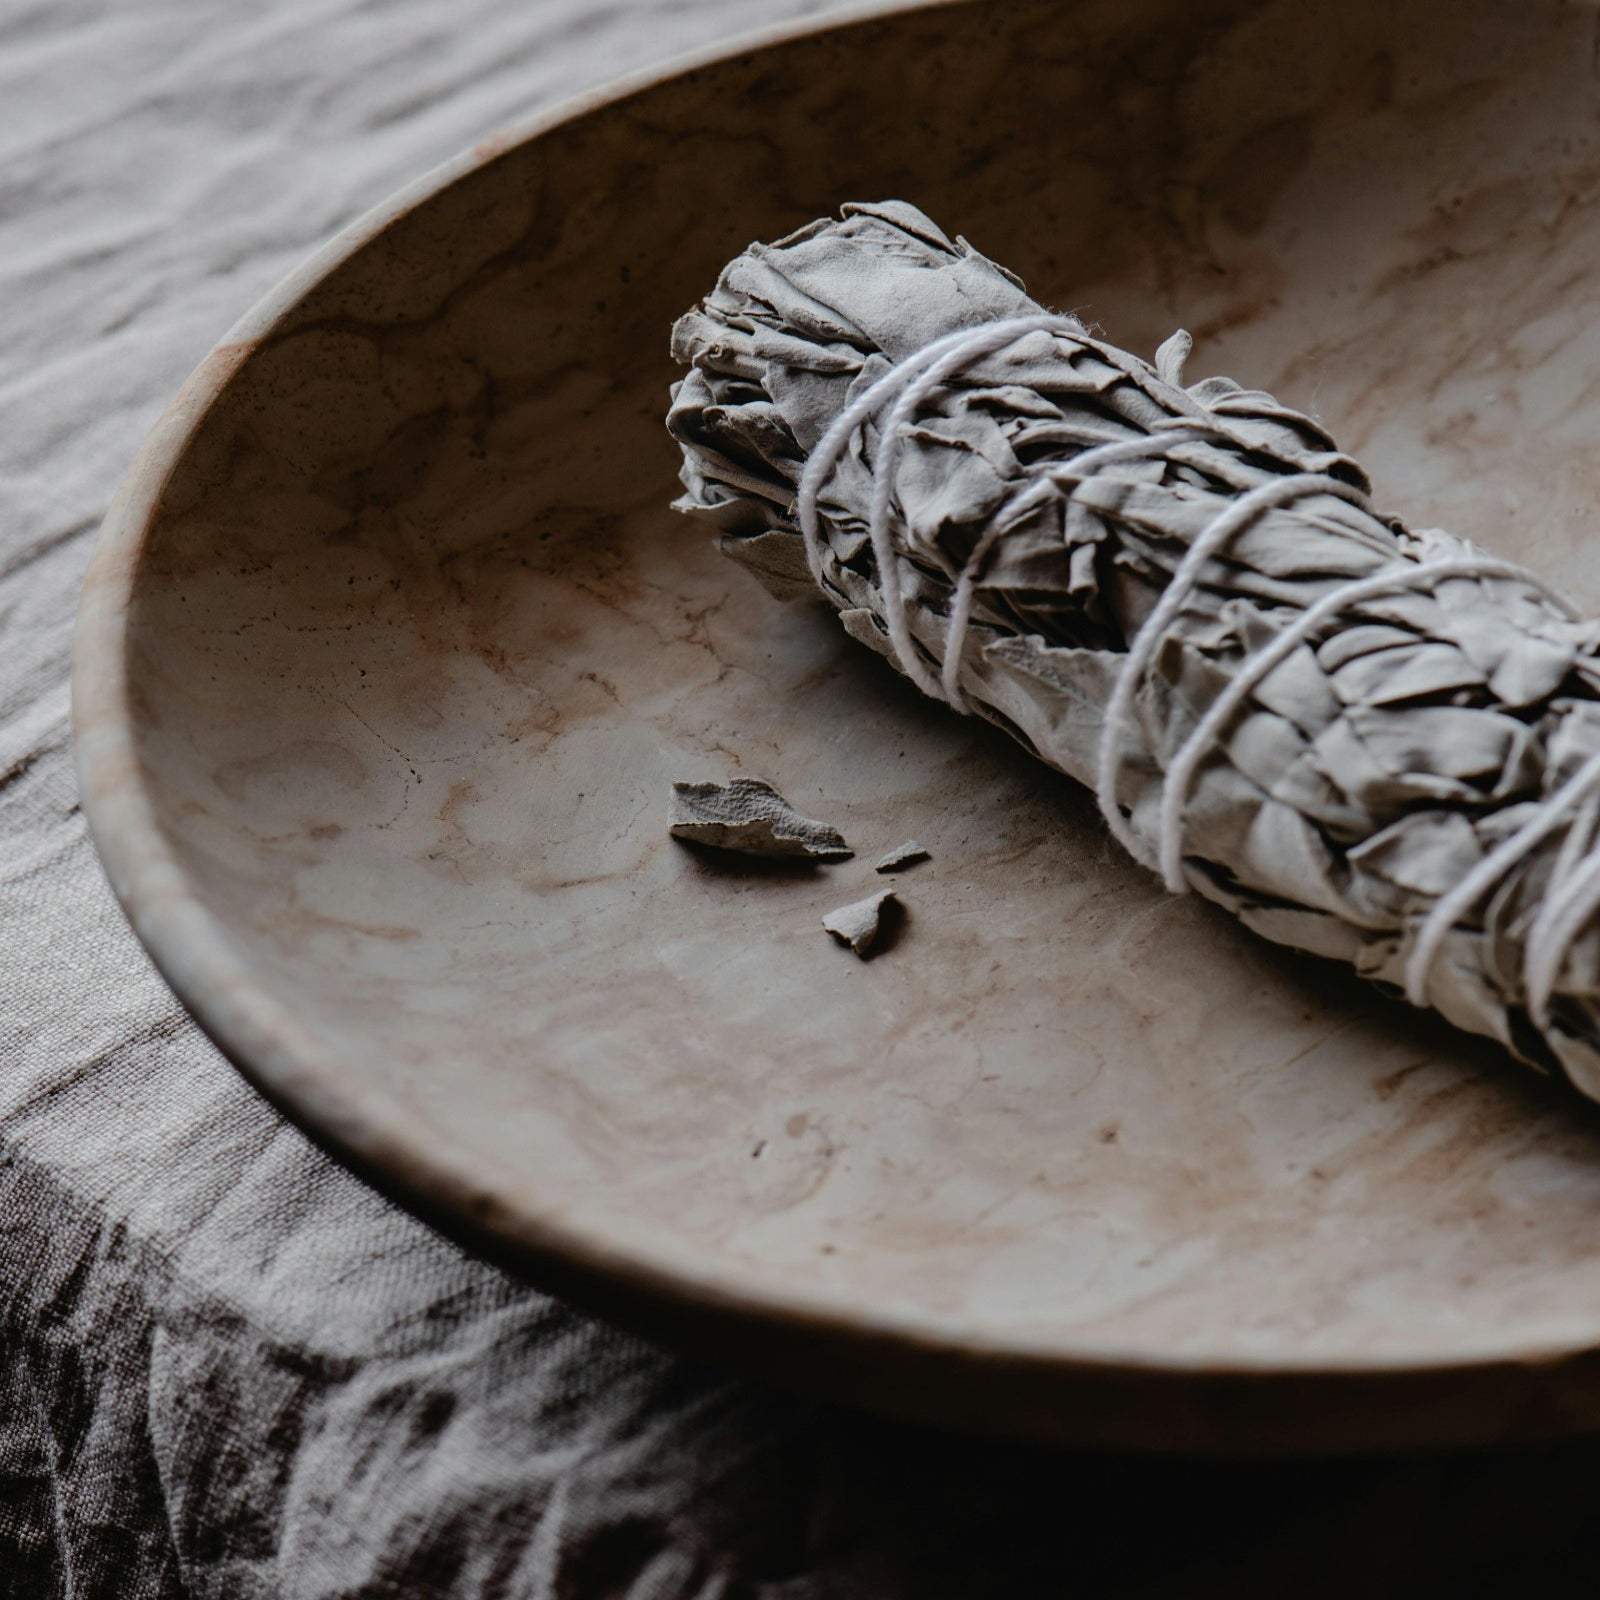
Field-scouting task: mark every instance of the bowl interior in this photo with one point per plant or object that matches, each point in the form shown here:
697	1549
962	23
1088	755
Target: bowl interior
414	648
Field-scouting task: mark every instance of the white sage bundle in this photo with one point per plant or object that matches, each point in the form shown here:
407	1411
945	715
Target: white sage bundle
1374	743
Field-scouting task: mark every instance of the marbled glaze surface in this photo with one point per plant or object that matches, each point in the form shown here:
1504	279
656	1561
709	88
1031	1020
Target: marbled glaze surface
392	651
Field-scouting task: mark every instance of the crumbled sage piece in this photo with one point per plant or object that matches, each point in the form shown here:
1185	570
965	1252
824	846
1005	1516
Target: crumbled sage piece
859	923
752	818
903	856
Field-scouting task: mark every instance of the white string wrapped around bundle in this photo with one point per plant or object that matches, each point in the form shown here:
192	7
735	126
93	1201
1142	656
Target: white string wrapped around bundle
1567	905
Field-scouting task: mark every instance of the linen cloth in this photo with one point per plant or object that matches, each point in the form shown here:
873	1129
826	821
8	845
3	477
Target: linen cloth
229	1370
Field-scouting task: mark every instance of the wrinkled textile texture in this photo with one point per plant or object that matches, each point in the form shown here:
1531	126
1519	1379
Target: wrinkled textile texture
227	1369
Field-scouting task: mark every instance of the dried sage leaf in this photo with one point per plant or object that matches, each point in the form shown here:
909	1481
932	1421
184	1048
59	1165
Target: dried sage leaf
859	923
902	856
752	818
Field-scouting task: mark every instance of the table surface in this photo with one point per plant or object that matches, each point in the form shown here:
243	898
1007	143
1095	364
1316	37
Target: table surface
226	1367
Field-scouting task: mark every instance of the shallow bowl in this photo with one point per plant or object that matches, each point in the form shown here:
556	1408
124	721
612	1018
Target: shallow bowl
391	650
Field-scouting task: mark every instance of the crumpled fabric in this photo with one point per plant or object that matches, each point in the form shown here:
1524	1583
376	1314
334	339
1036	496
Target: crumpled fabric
1364	776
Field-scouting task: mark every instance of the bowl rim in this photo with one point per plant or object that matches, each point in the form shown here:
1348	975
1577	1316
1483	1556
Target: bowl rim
296	1069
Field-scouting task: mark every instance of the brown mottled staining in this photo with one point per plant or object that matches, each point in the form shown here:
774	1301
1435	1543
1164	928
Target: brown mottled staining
751	817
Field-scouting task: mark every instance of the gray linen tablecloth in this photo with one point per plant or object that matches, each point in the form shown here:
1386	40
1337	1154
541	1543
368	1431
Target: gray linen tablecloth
228	1369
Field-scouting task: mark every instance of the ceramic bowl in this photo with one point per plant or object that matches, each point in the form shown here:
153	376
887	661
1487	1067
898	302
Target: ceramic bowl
392	649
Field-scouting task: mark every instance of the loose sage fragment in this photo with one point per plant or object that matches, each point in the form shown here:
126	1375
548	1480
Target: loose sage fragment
859	923
752	818
1374	766
902	856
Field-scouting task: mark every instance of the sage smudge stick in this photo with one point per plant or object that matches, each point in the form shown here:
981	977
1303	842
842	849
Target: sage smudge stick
1378	744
